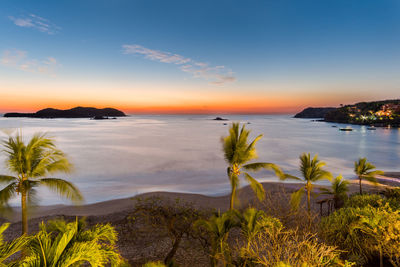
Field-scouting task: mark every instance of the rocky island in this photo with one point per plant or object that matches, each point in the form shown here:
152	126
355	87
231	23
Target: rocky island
77	112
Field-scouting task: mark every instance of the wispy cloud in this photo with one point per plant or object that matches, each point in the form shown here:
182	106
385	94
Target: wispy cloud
35	22
217	75
19	59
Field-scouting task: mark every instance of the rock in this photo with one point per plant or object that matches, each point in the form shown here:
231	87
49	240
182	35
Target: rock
220	119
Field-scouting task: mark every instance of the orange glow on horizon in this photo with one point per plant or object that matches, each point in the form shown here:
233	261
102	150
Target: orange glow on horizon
167	101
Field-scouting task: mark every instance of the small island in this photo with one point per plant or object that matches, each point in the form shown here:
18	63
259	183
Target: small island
376	113
220	119
77	112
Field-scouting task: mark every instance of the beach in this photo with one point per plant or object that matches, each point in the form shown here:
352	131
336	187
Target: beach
139	248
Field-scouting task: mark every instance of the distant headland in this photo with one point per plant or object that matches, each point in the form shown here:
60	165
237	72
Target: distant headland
314	113
77	112
376	113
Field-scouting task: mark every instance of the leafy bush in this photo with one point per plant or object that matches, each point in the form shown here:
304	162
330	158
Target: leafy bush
365	232
281	247
361	201
373	200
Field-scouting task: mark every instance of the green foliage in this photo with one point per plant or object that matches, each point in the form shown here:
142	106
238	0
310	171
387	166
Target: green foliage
277	246
68	244
366	171
338	191
364	232
312	171
7	249
253	221
154	264
217	228
392	193
373	200
38	158
237	152
361	201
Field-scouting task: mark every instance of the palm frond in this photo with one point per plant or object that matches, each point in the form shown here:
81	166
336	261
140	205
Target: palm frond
7	193
9	249
7	179
295	198
256	186
289	176
63	188
266	166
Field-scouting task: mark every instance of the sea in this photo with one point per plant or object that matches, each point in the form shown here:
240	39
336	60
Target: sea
183	153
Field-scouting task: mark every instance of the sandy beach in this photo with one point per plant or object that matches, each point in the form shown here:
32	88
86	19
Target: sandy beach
132	248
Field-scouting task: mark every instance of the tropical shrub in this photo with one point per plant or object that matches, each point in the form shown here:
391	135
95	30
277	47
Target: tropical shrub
338	191
364	233
154	264
217	229
373	200
7	249
361	201
69	244
277	246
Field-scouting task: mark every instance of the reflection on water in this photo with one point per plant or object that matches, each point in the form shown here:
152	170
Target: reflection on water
123	157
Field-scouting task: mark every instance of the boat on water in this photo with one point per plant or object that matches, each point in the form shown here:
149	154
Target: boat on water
372	128
346	129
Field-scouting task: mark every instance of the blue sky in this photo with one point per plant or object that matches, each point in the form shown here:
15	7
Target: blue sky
210	55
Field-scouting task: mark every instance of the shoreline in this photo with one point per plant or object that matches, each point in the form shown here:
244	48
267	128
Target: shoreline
104	208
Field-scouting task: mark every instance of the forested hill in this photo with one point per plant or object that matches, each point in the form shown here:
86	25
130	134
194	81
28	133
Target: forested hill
78	112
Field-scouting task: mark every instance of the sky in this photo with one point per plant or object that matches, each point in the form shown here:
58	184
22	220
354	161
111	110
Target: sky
209	56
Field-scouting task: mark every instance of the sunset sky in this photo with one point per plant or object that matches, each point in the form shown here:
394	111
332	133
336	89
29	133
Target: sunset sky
209	56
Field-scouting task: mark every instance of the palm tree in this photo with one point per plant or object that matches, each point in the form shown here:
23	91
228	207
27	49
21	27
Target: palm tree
218	227
365	170
69	244
238	152
338	190
7	249
311	170
30	162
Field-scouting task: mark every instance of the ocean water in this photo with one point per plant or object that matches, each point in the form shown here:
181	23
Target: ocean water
124	157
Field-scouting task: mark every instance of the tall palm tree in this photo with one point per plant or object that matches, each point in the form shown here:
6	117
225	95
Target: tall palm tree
7	249
338	190
69	244
238	152
312	171
365	170
30	163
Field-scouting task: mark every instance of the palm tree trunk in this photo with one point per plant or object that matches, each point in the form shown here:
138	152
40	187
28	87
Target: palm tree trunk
24	213
233	196
359	178
308	201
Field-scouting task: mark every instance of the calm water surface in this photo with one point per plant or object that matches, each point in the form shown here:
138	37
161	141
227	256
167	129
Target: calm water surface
123	157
